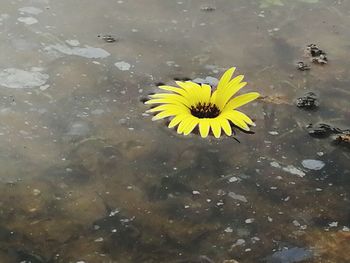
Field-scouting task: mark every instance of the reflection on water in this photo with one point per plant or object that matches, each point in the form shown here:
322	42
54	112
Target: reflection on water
86	176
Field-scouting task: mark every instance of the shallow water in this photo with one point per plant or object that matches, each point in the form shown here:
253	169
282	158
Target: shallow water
88	177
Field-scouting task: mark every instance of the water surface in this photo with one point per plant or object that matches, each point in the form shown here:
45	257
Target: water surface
86	176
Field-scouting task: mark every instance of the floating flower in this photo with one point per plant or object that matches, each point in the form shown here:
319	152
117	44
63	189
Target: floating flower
192	104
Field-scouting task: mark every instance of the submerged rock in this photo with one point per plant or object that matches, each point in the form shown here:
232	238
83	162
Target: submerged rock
302	66
321	130
108	38
342	139
309	101
317	55
290	255
313	164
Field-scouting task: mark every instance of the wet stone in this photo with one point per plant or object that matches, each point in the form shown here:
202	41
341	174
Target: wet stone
317	55
313	164
308	102
342	139
207	8
290	255
302	66
322	130
108	38
200	259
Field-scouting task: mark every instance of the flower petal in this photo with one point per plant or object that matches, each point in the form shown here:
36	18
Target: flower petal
226	77
163	107
204	126
174	89
179	100
240	100
190	126
192	89
225	95
177	119
215	127
183	124
236	119
206	93
164	114
244	117
225	125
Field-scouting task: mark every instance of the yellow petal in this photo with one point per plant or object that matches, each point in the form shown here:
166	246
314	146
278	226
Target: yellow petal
241	100
190	126
163	107
226	94
204	126
193	91
225	125
179	102
177	119
206	92
226	77
171	97
164	114
236	119
183	124
174	89
213	97
215	127
244	117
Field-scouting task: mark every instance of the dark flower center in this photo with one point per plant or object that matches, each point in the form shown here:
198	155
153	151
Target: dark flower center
205	110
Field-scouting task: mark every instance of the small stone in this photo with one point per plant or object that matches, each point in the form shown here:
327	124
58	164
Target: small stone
249	220
100	239
313	164
108	38
230	261
308	102
208	8
233	179
239	242
333	224
36	192
196	193
228	230
122	65
238	197
346	229
302	66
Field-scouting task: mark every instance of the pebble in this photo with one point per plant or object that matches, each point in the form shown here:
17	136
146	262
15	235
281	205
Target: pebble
233	179
238	197
228	230
36	192
249	220
313	164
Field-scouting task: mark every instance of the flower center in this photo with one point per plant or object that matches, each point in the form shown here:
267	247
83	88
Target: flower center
205	110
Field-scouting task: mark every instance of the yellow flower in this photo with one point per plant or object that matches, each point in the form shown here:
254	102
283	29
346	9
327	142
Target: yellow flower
192	104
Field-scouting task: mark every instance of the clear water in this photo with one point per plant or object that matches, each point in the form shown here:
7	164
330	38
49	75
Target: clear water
86	176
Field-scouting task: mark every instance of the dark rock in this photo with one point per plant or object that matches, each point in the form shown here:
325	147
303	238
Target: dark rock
208	8
342	138
317	55
302	66
308	101
108	38
323	130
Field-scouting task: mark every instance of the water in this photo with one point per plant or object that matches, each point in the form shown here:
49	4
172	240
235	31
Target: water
86	176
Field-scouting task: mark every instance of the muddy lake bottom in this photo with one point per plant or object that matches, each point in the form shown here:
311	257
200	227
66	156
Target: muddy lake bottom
86	175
